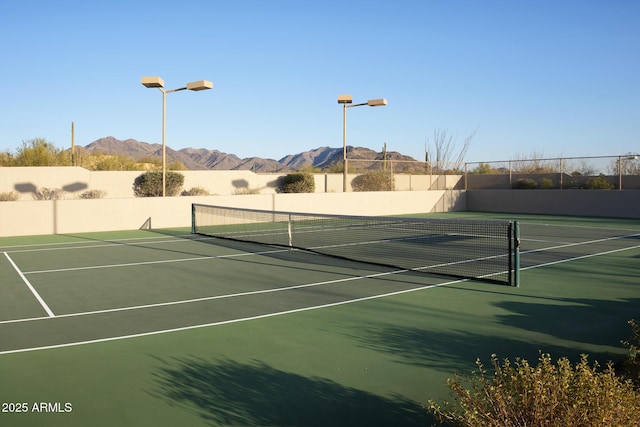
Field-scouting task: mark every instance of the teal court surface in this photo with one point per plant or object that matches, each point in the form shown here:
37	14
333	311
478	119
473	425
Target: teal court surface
166	327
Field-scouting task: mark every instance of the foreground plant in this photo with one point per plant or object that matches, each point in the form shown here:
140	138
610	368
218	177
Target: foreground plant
546	395
630	368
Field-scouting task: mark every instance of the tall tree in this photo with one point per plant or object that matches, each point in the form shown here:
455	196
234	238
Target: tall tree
39	152
6	159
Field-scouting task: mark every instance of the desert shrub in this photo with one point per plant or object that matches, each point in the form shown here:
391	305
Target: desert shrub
545	395
245	191
598	183
10	196
525	184
374	181
93	194
48	194
297	182
196	191
630	368
149	184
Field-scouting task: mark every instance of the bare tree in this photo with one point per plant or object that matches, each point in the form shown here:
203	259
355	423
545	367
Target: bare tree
534	163
444	147
580	167
629	164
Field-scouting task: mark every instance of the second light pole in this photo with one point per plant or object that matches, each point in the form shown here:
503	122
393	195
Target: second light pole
347	102
158	83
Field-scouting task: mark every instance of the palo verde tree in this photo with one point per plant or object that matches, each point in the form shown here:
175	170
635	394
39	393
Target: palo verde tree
6	159
39	152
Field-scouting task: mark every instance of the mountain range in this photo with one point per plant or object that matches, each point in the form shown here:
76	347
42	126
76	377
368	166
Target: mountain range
205	159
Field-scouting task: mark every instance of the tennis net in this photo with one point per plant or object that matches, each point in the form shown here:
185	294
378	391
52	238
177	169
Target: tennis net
480	249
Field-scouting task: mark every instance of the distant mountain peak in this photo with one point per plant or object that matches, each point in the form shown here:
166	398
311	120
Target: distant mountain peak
205	159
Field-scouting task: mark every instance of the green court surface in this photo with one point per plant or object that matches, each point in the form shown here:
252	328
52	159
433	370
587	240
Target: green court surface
166	328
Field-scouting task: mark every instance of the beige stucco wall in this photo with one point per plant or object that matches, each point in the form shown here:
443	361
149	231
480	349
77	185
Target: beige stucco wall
121	211
119	184
602	203
32	217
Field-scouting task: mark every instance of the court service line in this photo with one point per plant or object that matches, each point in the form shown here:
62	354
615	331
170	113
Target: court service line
31	288
104	244
231	321
166	261
211	298
268	315
546	264
588	242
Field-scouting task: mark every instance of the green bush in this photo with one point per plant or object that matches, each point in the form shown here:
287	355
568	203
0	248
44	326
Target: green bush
149	184
545	395
547	183
374	181
297	182
598	183
525	184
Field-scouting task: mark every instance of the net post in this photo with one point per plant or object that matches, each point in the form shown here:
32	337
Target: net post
193	218
289	231
516	254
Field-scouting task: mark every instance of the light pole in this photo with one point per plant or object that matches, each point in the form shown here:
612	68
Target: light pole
620	159
346	101
158	83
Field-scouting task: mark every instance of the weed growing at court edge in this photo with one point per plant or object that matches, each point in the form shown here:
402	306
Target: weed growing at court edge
545	395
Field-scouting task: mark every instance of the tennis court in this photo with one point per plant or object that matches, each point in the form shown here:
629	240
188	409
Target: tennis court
167	327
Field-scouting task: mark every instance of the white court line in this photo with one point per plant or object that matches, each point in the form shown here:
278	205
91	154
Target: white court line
567	245
106	244
35	293
167	261
546	264
215	297
225	322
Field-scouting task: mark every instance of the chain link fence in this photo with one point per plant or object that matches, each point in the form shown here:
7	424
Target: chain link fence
595	172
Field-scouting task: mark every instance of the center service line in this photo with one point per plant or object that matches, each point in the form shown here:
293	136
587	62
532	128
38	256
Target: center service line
35	293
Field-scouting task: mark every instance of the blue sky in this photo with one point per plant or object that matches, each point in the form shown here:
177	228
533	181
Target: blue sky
561	78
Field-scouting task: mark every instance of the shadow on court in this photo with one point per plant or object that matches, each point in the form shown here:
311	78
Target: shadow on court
451	352
231	393
598	322
585	321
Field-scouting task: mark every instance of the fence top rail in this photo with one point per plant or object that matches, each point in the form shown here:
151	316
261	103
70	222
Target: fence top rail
628	156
